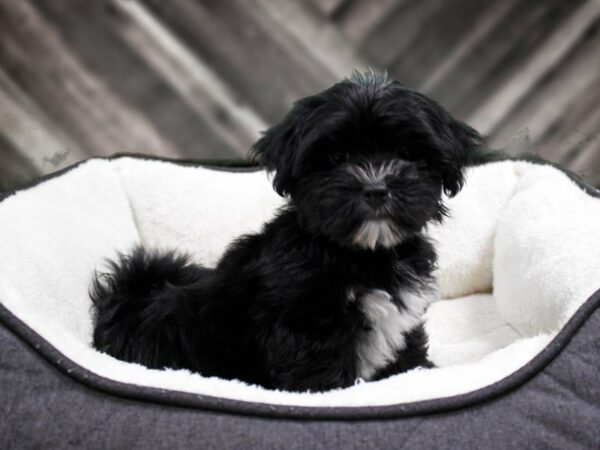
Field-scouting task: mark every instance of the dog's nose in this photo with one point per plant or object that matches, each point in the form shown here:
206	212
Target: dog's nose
376	192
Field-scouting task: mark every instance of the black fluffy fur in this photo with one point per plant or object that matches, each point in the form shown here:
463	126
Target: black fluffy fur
277	310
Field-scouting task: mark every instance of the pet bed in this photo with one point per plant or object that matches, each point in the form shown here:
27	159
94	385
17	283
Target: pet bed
516	337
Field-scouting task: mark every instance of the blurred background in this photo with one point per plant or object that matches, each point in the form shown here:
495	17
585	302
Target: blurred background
201	78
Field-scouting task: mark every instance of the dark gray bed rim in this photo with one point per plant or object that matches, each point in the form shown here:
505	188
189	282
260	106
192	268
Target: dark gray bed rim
188	400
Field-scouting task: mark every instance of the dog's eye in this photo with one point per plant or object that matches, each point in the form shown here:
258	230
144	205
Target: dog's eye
338	157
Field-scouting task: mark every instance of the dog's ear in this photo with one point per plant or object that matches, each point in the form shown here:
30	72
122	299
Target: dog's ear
457	144
460	145
276	149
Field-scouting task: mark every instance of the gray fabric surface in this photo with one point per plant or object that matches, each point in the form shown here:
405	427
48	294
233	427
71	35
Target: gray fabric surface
42	407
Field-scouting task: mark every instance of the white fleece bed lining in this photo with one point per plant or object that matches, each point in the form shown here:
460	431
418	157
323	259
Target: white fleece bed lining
524	232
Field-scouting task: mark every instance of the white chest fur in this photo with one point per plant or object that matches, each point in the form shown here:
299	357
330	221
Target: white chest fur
387	325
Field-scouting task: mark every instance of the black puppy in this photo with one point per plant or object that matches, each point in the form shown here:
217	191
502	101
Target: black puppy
334	288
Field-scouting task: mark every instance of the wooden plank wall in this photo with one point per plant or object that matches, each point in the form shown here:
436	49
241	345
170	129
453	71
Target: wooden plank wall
201	78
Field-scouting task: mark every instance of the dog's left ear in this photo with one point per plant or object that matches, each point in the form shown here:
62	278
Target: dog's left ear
460	146
276	149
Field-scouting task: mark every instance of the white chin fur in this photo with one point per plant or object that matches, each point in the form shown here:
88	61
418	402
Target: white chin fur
377	232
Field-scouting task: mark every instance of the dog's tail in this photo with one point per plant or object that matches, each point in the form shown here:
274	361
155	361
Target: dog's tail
141	304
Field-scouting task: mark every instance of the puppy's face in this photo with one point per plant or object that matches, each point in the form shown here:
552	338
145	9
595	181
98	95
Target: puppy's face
366	161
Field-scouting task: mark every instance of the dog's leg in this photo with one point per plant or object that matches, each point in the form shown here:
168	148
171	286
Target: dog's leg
311	347
313	371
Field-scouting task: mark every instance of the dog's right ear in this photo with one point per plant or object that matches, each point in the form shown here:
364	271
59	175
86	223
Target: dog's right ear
276	149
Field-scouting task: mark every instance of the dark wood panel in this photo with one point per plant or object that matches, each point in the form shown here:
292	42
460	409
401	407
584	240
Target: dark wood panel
524	32
587	159
328	7
560	102
394	33
358	18
260	61
457	59
200	78
93	31
315	35
16	169
40	62
485	67
447	28
27	130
